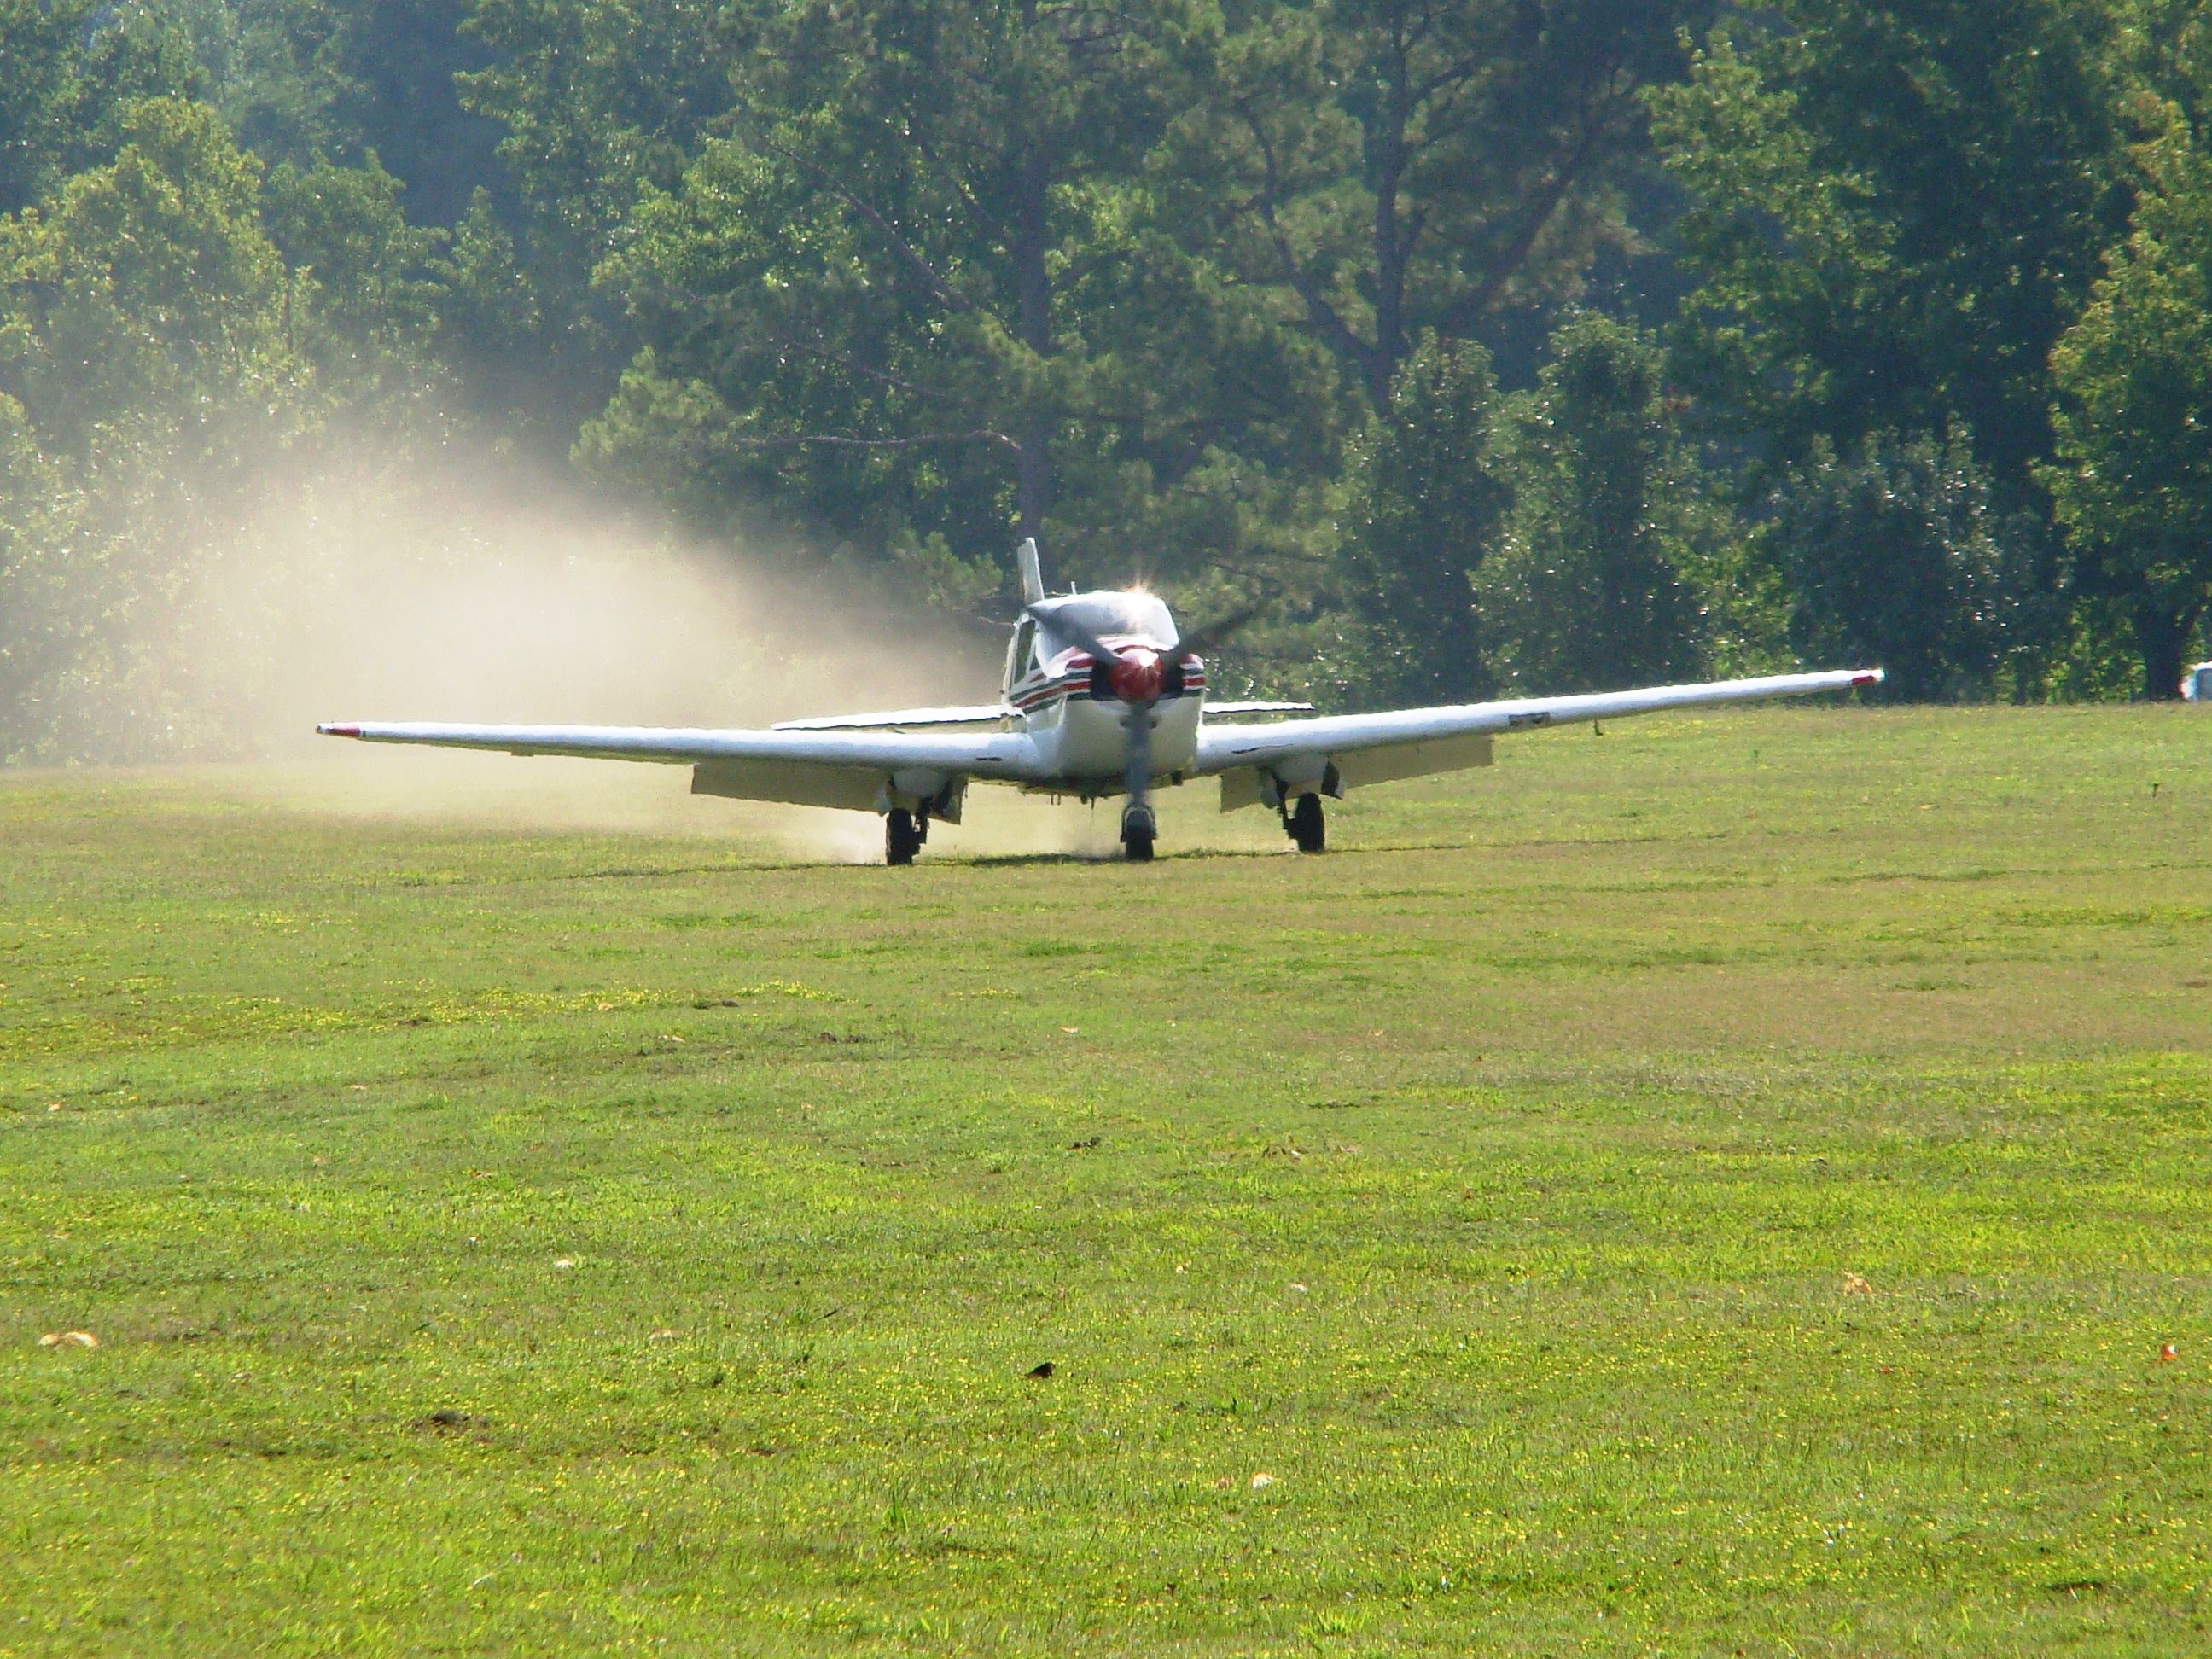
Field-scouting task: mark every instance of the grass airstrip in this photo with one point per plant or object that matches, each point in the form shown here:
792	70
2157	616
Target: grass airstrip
1731	1185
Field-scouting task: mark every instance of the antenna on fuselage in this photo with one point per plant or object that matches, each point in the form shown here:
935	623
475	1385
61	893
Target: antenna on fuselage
1025	556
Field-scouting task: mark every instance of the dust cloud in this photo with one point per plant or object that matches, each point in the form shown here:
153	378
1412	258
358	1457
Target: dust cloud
363	584
477	592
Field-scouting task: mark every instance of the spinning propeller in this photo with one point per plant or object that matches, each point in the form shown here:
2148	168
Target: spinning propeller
1138	676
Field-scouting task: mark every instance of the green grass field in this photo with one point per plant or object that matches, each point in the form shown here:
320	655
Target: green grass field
1720	1187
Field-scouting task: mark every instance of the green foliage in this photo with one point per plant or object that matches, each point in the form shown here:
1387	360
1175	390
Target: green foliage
599	104
901	315
145	295
1426	507
129	53
304	81
2094	658
148	372
601	99
278	72
1897	557
403	63
933	570
1896	209
491	327
1588	587
365	289
1392	167
73	68
176	333
2133	477
43	594
37	95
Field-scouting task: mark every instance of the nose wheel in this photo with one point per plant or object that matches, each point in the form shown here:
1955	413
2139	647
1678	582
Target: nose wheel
904	834
1304	824
1138	833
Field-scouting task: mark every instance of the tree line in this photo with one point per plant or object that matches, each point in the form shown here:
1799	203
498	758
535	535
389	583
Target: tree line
1498	343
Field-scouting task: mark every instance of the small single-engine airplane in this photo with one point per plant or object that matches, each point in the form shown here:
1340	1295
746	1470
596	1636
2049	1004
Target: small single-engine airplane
1103	696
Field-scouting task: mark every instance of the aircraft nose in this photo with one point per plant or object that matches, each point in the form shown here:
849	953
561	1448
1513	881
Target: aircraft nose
1136	677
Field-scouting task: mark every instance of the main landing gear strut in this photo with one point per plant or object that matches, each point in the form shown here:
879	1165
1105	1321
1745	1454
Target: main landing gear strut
904	834
1303	825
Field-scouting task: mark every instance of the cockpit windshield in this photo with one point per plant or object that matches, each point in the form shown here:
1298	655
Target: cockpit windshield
1110	617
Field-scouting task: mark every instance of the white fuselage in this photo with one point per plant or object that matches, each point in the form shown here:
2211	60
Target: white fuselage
1080	730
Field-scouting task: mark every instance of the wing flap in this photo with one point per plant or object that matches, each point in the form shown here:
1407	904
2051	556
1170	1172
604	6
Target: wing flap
1361	767
793	783
1245	785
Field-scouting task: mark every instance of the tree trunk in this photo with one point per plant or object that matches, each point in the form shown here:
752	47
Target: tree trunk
1032	481
2162	640
1033	323
1390	152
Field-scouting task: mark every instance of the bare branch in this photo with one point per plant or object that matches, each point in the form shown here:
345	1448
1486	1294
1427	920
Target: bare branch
847	361
832	440
1548	199
1451	79
1253	572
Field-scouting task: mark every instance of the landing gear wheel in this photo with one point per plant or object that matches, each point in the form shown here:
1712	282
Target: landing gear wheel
901	837
1138	832
1304	825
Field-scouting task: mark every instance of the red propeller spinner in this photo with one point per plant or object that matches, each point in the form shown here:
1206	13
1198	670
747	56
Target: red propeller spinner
1138	675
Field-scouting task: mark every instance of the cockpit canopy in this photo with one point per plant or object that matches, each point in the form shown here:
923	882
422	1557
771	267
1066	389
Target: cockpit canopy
1112	616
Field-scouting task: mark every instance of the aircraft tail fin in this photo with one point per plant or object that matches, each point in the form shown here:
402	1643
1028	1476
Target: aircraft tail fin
1032	573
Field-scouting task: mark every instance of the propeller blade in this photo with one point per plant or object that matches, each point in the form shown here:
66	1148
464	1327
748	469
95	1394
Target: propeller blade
1068	629
1199	640
1138	775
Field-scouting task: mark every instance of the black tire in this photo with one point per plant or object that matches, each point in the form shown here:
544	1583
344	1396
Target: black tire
1307	827
902	840
1138	829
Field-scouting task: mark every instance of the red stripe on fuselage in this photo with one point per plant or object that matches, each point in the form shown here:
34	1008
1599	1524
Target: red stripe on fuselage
1079	685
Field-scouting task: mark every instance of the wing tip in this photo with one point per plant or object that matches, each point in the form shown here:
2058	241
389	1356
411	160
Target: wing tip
1869	676
336	731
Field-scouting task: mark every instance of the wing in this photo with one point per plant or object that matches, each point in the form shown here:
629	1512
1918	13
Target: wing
861	770
900	719
1408	743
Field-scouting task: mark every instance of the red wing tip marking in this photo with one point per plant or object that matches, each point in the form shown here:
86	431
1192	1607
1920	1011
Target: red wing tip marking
339	730
1871	676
